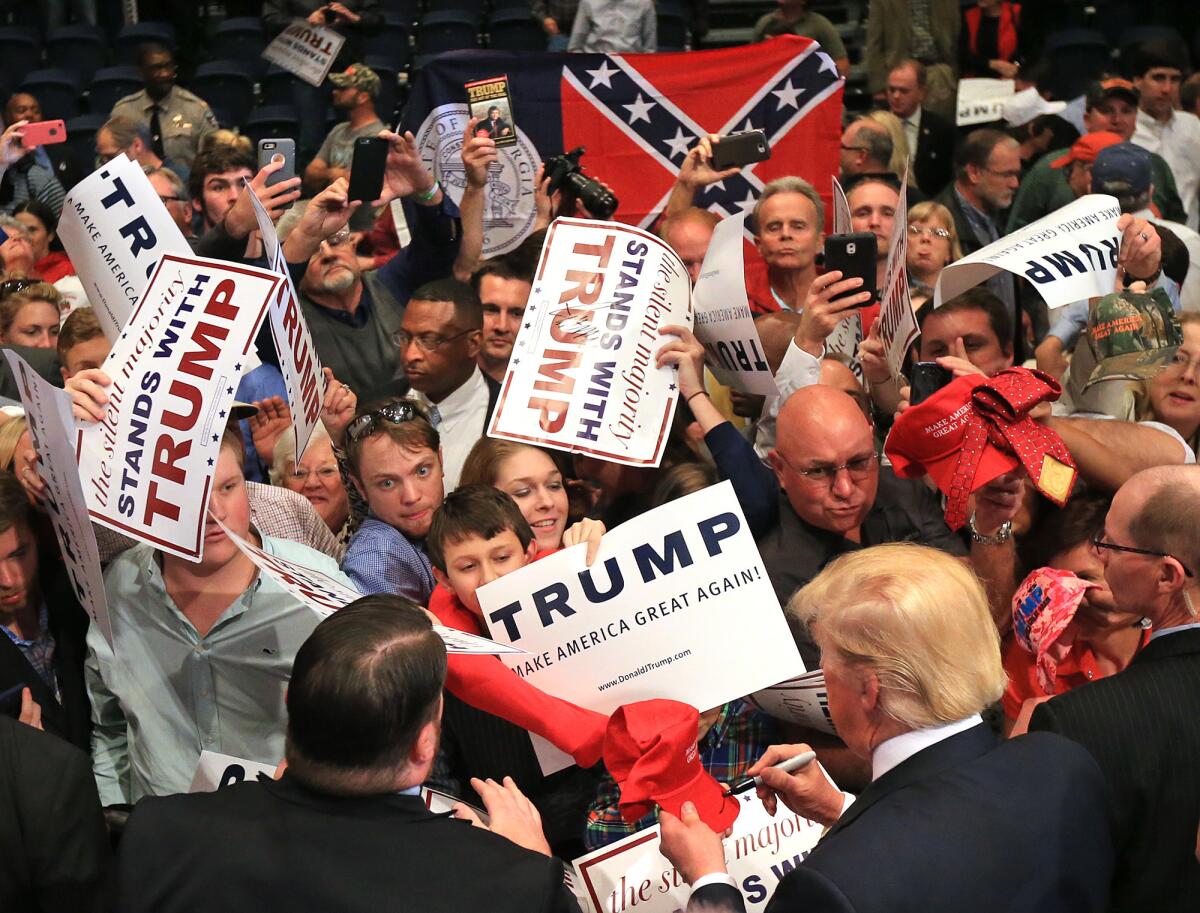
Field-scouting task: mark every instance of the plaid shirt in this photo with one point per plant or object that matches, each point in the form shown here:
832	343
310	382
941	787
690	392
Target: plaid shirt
736	740
38	653
381	559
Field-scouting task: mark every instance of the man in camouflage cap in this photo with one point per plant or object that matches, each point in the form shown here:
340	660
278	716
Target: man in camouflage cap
354	93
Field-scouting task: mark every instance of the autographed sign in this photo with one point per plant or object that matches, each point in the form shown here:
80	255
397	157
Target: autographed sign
582	376
724	324
633	873
1069	255
654	615
116	229
298	361
147	466
308	51
325	595
51	427
216	771
802	700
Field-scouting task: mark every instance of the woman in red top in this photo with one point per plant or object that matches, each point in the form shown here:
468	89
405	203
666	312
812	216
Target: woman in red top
990	41
1106	638
41	226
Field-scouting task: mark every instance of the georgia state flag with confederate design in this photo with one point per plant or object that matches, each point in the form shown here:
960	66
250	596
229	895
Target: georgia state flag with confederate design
637	115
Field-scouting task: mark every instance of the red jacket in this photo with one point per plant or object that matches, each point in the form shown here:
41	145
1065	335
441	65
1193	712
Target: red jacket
1006	38
488	685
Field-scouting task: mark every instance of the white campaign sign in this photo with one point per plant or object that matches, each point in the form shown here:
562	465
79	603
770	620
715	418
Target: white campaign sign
325	595
841	210
308	51
51	428
298	359
633	874
897	320
217	770
116	229
802	700
582	375
981	101
1068	255
653	616
724	324
147	466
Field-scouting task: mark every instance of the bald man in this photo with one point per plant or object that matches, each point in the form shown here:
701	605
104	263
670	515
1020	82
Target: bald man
866	149
1143	724
689	233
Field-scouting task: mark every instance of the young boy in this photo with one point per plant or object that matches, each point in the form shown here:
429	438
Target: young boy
395	461
81	343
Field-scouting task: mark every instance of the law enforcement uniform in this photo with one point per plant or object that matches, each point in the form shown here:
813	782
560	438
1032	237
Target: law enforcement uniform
184	119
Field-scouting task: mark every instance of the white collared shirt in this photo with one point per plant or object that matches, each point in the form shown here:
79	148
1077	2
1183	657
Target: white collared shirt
912	132
1178	142
463	420
1162	632
898	749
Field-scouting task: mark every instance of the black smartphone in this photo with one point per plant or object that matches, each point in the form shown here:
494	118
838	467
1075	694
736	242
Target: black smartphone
330	16
269	148
853	254
738	149
927	378
367	167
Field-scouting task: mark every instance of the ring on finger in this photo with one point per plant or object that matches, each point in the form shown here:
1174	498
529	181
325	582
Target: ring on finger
1143	236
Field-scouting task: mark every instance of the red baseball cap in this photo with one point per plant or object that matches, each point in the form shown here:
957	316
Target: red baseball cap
1086	148
650	750
928	437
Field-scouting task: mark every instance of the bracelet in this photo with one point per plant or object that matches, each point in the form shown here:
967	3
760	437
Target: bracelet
1000	536
688	401
430	193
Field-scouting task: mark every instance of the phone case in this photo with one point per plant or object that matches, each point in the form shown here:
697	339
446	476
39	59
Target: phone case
853	254
43	133
367	167
267	148
738	149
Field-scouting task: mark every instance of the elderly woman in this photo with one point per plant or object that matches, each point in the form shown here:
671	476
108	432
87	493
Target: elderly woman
911	659
51	262
316	477
932	246
30	316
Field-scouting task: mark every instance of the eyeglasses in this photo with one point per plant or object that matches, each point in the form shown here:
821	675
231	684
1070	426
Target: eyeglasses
1182	363
426	342
325	472
1098	542
396	413
859	469
846	148
171	199
1004	175
917	232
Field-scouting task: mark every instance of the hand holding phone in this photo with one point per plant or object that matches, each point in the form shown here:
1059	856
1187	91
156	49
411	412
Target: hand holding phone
738	149
268	149
367	168
927	378
853	255
43	133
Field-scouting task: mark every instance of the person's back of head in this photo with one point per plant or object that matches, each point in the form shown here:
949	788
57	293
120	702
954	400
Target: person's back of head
874	141
364	701
918	620
1164	521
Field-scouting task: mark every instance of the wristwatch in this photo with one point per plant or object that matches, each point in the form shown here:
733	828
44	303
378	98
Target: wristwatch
1003	534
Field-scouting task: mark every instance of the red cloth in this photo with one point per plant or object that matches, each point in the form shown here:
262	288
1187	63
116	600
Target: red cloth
1006	35
488	685
54	266
1078	668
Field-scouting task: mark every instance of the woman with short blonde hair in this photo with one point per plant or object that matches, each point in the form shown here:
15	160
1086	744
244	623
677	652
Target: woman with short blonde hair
915	617
932	245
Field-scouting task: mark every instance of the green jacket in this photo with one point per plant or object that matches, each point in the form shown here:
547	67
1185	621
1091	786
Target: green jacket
1045	189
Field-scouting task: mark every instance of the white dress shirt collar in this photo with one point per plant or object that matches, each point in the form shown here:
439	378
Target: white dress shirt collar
898	749
458	403
1163	632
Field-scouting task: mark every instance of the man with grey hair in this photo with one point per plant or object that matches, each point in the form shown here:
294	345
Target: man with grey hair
1142	725
174	195
789	220
132	137
911	660
866	149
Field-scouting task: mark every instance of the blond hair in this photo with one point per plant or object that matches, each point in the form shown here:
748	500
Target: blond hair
10	434
932	211
915	617
891	123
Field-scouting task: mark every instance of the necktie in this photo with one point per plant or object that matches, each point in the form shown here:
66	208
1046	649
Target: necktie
435	417
999	415
156	131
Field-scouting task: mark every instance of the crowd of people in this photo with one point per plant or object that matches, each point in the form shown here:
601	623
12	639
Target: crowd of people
1012	675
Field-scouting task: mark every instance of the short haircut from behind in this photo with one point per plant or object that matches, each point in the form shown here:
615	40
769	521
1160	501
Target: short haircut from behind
468	310
364	684
414	434
81	325
917	618
790	185
474	510
14	505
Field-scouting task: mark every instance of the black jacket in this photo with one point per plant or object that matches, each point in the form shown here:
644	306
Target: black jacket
933	159
1143	727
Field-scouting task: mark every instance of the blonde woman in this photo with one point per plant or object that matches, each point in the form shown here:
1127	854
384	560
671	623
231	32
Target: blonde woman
932	245
900	155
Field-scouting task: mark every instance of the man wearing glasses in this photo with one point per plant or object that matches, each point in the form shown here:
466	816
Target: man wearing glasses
1143	724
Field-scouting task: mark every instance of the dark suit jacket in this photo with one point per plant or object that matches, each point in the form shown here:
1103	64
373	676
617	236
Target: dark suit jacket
70	717
1143	727
933	163
53	845
967	238
278	846
969	824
